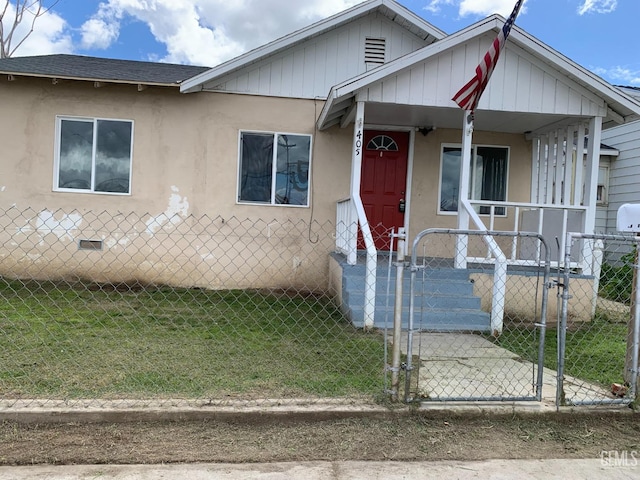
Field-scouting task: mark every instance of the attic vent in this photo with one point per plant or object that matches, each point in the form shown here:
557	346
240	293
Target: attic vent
374	51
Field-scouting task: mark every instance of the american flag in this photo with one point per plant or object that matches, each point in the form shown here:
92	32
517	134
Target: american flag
469	95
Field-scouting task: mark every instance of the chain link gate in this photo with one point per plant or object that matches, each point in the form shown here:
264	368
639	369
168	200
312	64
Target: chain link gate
599	332
476	332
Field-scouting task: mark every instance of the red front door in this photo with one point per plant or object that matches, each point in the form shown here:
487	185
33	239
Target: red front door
384	180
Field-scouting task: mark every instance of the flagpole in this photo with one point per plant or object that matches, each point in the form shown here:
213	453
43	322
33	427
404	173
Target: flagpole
467	98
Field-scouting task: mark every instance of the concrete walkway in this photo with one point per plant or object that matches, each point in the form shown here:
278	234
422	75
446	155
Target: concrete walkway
457	366
594	469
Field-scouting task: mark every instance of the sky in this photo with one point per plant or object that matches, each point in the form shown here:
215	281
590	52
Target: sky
598	34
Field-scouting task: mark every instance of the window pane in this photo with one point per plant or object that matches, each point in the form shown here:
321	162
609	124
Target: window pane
292	174
450	179
490	176
113	156
76	147
256	161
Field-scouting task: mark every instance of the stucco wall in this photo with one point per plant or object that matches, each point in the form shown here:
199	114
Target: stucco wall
184	179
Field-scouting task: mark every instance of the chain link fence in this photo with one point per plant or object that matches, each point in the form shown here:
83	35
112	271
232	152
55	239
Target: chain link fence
477	331
102	308
599	348
137	309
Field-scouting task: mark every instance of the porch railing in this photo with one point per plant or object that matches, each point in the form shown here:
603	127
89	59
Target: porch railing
347	230
348	215
551	221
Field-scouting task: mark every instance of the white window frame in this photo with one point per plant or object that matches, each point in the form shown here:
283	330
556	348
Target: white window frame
603	186
274	166
94	121
474	156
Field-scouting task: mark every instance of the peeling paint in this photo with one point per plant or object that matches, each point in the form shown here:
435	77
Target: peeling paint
178	207
116	242
47	223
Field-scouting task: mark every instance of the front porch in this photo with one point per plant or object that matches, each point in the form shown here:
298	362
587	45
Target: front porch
479	297
444	296
526	160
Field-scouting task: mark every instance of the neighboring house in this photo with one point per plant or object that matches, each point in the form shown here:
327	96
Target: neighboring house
623	181
349	116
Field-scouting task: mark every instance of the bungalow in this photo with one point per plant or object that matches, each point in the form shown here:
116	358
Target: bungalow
348	121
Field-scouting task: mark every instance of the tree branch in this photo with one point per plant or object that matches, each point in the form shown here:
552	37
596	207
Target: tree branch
36	8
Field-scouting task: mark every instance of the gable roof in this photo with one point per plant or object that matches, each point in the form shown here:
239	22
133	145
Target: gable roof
77	67
621	107
389	8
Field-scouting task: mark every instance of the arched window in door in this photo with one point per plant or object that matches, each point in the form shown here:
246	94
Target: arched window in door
382	142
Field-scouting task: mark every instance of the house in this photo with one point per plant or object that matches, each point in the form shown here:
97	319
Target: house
620	177
348	120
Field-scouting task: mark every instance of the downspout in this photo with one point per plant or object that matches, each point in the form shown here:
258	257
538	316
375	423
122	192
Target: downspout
372	254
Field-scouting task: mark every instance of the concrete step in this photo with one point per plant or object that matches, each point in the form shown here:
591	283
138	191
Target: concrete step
443	299
431	300
437	320
437	286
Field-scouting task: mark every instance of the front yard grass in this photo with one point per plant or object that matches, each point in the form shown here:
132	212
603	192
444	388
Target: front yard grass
595	350
89	341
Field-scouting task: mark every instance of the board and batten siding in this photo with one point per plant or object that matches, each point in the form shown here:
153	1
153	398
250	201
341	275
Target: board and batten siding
310	69
520	83
624	174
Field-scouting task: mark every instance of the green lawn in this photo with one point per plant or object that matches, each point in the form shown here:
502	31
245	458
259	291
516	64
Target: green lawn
595	350
61	341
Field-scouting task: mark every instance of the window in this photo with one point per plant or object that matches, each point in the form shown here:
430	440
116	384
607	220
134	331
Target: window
488	177
602	197
93	155
274	168
382	142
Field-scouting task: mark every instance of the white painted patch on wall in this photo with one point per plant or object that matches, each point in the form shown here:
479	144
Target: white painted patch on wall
177	210
3	188
113	242
47	223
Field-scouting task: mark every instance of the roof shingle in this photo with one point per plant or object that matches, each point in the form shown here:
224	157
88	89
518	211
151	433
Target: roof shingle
94	68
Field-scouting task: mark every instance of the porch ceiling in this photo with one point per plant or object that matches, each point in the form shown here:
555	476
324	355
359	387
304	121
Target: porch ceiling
440	117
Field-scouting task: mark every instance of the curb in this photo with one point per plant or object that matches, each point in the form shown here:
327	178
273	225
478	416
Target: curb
260	412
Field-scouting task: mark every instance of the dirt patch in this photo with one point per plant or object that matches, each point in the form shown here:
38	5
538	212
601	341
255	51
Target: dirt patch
414	437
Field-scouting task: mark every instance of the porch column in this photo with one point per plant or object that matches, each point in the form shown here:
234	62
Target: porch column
460	255
590	193
372	253
591	173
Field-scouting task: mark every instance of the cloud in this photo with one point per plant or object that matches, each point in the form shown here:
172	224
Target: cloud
486	7
436	5
51	34
619	75
206	32
597	6
475	7
101	30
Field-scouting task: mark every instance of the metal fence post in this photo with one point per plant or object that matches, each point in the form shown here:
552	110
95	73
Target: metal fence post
397	317
633	339
562	327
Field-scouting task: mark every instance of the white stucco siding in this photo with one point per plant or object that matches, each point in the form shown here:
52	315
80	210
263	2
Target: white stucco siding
519	83
624	175
311	68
